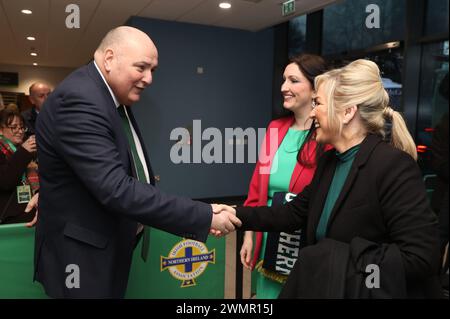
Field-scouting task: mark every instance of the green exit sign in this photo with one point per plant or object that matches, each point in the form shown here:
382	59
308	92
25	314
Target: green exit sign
288	8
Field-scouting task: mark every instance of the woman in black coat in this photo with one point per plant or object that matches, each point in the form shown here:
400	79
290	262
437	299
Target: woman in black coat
370	230
16	167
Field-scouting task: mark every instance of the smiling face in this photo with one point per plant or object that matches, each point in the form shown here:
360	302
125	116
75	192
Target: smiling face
130	67
297	91
14	130
325	133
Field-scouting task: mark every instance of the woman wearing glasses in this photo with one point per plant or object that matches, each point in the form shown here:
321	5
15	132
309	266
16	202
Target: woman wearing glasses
18	171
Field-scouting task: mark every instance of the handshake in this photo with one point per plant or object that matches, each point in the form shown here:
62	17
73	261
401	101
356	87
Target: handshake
224	220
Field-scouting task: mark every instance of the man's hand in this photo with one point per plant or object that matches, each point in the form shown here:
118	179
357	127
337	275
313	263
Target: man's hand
33	203
218	208
224	220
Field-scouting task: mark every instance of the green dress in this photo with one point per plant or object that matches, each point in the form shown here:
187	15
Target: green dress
280	176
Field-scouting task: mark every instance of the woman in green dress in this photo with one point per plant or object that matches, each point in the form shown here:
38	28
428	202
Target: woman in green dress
289	169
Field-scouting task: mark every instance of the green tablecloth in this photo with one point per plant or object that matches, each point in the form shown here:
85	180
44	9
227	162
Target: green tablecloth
147	279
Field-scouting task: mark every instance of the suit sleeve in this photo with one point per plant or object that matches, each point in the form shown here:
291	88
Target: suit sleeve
411	224
86	141
287	218
255	183
253	190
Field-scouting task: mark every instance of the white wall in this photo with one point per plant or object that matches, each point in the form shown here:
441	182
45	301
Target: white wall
30	74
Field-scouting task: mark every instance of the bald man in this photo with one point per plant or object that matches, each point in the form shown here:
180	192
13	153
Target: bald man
97	184
38	94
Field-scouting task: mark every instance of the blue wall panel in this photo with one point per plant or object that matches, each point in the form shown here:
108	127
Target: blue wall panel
234	91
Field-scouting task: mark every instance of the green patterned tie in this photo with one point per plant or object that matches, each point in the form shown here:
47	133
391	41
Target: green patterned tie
137	162
139	171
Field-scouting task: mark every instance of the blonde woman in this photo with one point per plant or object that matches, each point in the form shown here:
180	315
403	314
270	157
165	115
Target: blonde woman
370	230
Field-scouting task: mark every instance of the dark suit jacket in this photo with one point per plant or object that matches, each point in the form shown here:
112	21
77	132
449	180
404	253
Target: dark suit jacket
439	163
30	117
90	201
383	201
11	172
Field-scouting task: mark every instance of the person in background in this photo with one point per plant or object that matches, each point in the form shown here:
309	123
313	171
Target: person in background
38	94
440	199
290	168
439	163
370	230
18	171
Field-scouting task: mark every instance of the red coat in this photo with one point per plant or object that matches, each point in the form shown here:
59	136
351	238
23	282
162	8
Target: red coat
259	184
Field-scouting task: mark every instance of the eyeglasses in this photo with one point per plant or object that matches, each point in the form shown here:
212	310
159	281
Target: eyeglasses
16	128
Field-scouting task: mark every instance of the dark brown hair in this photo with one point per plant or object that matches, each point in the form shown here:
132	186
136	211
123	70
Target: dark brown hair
310	65
8	115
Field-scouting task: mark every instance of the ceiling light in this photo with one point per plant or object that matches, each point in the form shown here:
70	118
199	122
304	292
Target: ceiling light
33	53
224	5
31	38
26	11
35	64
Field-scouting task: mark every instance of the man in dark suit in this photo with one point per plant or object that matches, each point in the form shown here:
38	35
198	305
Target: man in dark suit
97	186
38	94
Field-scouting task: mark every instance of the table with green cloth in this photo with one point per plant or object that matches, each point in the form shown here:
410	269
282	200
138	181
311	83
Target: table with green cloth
147	279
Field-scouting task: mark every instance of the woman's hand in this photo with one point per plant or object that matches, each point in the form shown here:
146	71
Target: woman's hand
30	144
31	205
246	250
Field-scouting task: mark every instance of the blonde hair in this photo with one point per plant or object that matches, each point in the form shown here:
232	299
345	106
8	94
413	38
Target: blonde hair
359	83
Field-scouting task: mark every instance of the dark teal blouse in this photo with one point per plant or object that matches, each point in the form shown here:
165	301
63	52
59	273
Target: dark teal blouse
340	175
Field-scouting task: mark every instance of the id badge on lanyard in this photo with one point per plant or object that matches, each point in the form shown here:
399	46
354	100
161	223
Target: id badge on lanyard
23	194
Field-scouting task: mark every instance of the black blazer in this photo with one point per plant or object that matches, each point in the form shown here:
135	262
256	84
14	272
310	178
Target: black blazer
332	269
90	201
30	117
383	201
